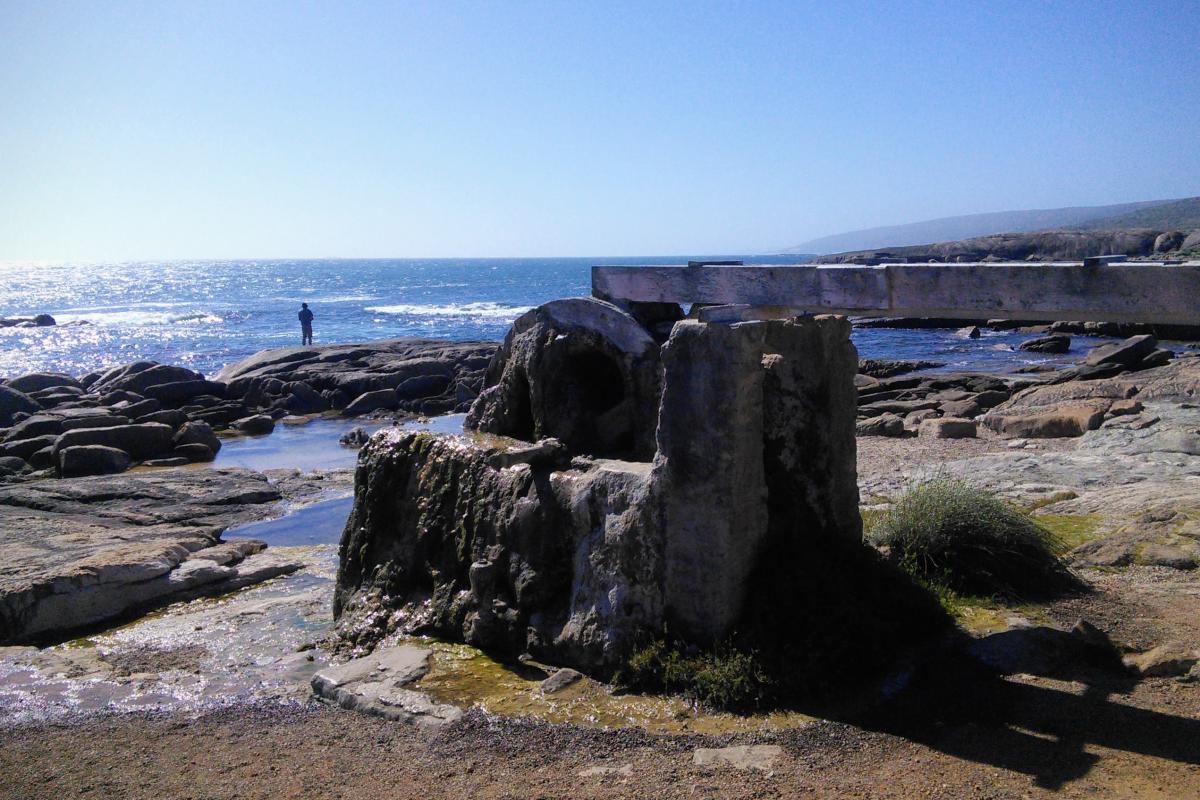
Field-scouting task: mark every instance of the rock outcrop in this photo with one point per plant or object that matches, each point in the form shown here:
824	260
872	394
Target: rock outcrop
82	551
341	373
144	409
523	549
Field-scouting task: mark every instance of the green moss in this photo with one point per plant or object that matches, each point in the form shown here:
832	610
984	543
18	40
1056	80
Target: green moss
1071	530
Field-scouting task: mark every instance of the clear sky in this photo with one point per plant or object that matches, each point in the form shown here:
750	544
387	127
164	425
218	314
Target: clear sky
255	129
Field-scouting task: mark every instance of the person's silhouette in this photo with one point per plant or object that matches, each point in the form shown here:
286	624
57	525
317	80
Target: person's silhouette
306	318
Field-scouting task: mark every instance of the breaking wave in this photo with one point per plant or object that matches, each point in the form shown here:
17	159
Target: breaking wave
475	310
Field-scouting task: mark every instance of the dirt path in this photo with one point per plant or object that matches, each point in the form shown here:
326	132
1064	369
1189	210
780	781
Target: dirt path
1036	738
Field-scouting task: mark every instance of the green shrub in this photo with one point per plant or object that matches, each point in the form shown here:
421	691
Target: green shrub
950	534
723	677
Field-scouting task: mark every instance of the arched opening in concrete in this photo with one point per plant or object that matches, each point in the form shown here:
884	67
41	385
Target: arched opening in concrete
598	379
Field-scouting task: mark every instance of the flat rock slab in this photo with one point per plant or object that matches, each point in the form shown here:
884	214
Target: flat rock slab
375	684
748	756
76	552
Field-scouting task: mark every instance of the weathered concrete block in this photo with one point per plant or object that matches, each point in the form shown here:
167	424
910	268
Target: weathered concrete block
517	549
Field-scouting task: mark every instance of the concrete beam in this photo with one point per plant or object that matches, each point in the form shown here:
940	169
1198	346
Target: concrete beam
1121	292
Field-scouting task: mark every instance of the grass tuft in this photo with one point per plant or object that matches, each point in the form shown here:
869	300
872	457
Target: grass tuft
956	537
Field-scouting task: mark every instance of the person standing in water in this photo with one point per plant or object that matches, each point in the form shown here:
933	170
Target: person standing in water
306	318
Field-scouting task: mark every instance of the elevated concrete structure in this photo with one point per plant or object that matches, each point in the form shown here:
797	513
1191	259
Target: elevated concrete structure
1110	292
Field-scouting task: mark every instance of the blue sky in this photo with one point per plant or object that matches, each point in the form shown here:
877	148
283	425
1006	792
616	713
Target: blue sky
242	129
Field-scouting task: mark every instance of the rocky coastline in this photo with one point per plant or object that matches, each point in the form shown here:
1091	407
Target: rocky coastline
1109	447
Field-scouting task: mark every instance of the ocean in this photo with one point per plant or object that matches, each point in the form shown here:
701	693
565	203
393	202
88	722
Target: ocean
206	314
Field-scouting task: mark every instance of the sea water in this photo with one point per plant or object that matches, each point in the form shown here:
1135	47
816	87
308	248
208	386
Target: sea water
206	314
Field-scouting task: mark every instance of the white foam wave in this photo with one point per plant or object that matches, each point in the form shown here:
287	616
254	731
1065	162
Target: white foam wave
485	310
138	318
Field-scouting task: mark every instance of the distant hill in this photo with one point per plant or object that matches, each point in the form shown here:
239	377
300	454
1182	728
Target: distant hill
1176	215
1160	214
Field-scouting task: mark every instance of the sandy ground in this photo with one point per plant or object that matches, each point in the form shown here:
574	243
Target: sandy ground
1034	738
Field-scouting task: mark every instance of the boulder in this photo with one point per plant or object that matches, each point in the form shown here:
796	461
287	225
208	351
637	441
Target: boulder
1192	242
970	332
1158	358
100	420
582	371
178	392
11	465
1127	353
139	408
168	416
303	399
195	452
12	403
43	459
257	425
355	437
422	386
1168	241
197	432
882	425
37	425
140	441
139	376
377	400
1066	421
37	381
25	448
1048	344
77	461
913	419
948	428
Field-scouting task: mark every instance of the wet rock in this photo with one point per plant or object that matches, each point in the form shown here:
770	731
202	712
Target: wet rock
355	437
195	452
560	680
197	432
885	368
376	684
168	461
257	425
1160	357
1048	344
970	332
79	460
82	550
948	428
882	425
582	371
